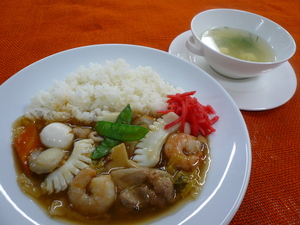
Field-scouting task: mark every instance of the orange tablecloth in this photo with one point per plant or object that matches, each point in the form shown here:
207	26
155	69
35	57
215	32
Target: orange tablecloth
31	30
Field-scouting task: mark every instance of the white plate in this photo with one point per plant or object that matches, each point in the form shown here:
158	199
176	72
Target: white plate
230	146
268	91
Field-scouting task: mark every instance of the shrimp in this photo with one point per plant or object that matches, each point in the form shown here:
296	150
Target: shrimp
102	192
184	150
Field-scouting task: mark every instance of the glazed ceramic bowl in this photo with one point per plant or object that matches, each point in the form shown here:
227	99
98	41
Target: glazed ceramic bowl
276	36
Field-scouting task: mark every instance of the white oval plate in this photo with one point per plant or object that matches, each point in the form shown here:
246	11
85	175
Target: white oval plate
229	173
268	91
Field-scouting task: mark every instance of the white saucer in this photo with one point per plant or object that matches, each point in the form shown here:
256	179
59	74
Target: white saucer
264	92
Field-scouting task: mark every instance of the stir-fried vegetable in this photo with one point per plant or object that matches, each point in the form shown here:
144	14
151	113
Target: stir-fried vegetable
121	132
125	117
104	148
28	140
191	111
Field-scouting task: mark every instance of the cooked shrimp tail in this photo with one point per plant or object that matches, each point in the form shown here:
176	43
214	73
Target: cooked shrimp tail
183	150
101	189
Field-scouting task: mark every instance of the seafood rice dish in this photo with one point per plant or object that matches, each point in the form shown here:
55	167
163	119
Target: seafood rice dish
113	144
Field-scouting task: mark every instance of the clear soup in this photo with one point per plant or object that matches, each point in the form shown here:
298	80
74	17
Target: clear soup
239	44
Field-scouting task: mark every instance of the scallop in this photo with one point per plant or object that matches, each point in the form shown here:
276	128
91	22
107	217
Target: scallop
80	158
57	135
45	161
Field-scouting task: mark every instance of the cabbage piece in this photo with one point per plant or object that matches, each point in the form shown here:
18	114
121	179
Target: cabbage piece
79	159
149	148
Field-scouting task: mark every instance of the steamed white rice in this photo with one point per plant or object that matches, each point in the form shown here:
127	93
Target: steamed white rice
90	93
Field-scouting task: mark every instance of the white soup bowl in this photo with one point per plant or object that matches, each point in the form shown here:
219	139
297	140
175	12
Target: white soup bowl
280	40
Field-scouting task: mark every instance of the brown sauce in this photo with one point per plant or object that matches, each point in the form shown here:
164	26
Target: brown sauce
116	214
